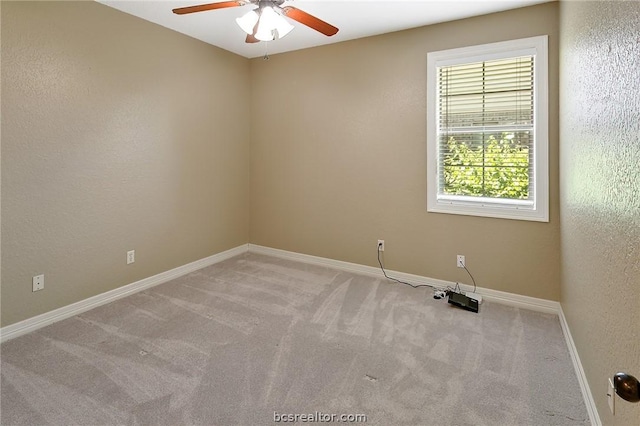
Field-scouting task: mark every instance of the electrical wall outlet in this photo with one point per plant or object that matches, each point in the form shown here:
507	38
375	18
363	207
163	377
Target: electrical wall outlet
38	282
611	398
460	262
380	245
131	257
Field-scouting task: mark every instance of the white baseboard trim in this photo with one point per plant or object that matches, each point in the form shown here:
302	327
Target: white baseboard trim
39	321
516	300
594	417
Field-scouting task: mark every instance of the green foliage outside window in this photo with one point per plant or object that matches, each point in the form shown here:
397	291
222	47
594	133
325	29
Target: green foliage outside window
495	167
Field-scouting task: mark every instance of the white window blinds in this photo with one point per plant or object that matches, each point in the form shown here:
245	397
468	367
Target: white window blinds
485	119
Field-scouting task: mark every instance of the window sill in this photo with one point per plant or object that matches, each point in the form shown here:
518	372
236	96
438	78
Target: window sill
513	212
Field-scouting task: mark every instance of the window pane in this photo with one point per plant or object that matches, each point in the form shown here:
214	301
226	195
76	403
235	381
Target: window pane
494	165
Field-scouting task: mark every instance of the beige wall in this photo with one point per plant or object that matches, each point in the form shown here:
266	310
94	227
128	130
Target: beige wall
117	134
600	188
338	159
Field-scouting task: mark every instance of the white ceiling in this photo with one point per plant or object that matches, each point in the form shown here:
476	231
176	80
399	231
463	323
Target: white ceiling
354	18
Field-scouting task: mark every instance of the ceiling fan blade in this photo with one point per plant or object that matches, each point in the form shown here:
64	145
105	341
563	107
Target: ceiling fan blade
209	6
309	20
251	39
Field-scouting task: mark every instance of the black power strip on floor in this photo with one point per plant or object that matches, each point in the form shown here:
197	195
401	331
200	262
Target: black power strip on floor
459	299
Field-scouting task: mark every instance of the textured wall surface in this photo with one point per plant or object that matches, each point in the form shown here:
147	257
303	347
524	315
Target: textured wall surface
338	159
600	192
117	134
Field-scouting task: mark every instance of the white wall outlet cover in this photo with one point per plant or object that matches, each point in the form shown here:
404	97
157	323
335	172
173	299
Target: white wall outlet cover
611	398
37	282
131	256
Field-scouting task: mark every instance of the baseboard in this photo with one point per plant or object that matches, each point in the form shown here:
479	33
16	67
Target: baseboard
34	323
516	300
594	417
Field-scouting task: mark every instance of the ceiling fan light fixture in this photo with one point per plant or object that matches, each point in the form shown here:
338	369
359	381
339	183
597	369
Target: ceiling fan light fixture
271	25
248	21
282	26
264	32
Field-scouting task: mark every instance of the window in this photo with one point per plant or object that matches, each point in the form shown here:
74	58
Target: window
487	130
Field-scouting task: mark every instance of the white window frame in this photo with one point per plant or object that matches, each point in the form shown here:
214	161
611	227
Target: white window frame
493	207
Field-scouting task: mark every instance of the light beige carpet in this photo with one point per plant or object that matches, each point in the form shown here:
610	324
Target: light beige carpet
235	342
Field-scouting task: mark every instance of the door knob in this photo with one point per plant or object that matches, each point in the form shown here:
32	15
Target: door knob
627	387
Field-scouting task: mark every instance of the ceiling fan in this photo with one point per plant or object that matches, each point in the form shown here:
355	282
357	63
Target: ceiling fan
265	22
